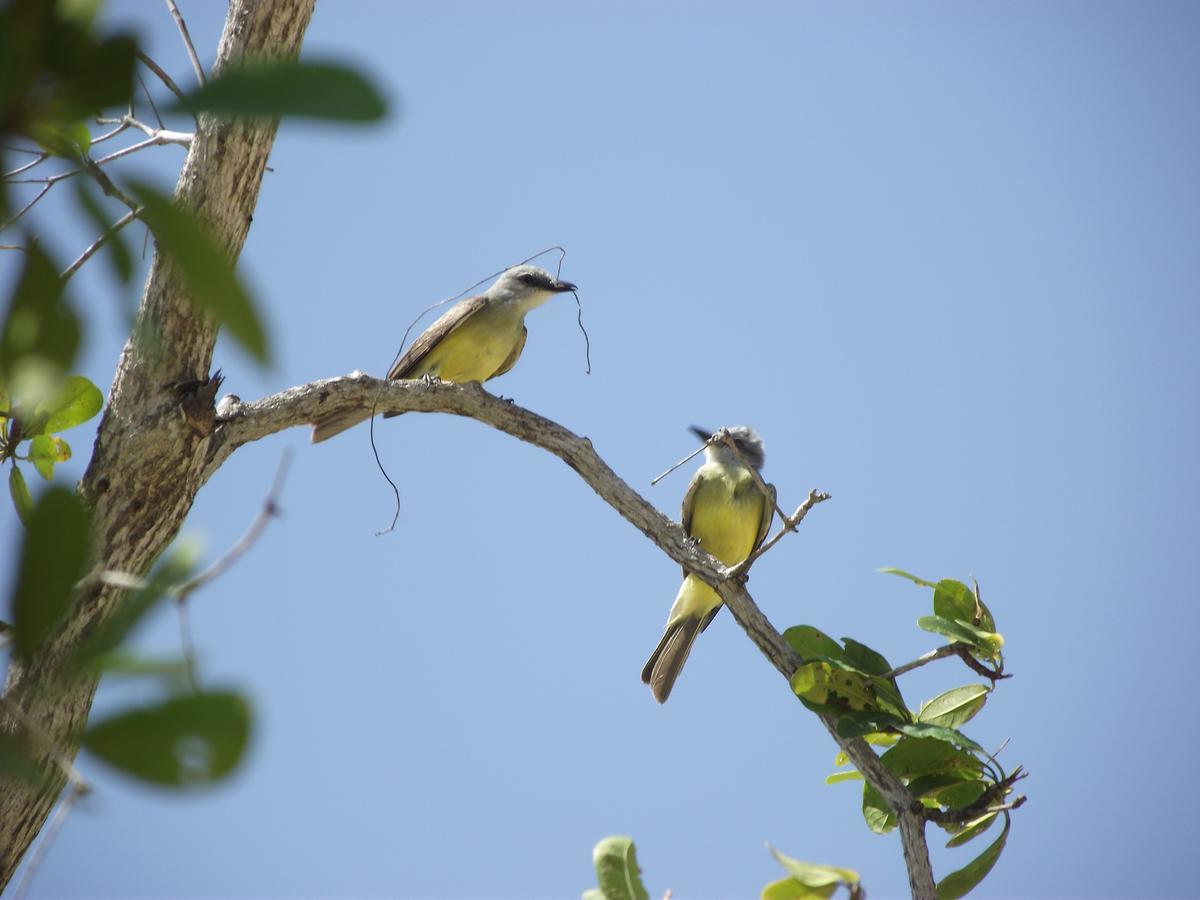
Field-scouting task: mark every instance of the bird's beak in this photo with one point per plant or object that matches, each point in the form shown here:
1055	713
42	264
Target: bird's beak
561	287
702	433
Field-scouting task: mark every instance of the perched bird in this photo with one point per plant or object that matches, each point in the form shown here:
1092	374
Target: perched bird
475	340
727	512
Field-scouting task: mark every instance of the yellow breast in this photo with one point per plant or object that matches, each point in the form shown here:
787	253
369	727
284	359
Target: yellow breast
727	513
475	349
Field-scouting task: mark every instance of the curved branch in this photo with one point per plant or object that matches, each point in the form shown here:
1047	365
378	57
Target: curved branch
240	423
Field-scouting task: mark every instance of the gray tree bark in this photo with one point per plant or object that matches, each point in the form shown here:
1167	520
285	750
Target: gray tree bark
151	451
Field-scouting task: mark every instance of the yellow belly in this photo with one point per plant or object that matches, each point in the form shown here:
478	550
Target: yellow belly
727	513
474	350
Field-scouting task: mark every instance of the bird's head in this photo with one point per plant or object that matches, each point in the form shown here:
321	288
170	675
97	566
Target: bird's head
528	285
746	439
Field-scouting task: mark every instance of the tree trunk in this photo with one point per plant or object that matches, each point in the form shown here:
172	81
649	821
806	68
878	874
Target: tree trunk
153	443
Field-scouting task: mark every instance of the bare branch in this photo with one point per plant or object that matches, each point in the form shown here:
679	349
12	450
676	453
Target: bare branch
187	41
923	659
36	161
100	242
162	76
27	207
76	792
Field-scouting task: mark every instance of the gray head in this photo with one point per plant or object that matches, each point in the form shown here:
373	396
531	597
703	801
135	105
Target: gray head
528	285
746	439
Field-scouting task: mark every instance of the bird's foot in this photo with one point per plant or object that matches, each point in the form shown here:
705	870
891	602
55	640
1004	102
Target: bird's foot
430	378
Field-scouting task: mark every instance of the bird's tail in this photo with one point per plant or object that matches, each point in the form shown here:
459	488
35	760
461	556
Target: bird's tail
334	423
694	608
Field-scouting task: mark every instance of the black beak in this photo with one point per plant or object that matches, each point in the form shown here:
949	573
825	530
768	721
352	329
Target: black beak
561	287
701	433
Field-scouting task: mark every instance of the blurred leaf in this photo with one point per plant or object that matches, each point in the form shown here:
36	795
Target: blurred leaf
960	883
22	501
281	87
70	140
878	815
213	286
121	663
963	794
814	875
17	762
115	248
593	894
857	724
954	600
938	733
193	739
45	450
617	872
812	643
930	785
888	570
38	323
172	570
53	558
972	829
76	401
954	707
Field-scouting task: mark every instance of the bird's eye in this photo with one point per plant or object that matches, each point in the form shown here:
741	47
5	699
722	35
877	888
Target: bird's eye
526	278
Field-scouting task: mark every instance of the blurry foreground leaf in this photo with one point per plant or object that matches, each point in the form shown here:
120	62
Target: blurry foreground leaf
193	739
21	498
273	88
617	872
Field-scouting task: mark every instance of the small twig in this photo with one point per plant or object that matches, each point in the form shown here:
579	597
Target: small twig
109	135
76	792
270	510
964	653
186	644
162	76
986	803
100	242
39	735
150	100
789	524
923	659
37	161
27	207
187	41
978	603
694	453
106	184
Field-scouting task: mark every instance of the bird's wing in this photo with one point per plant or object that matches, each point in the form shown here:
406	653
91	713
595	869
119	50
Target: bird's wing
767	515
689	505
514	356
436	332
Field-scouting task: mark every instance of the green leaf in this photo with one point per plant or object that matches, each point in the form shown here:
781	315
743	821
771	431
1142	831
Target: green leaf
938	733
39	327
617	872
839	777
857	724
121	663
925	756
193	739
972	829
73	404
791	889
22	501
116	250
963	794
954	600
814	875
281	87
930	785
812	643
954	707
213	286
888	570
960	883
70	140
174	569
863	658
878	815
827	685
53	558
45	450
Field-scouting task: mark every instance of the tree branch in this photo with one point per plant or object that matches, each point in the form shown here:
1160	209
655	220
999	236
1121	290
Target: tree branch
239	423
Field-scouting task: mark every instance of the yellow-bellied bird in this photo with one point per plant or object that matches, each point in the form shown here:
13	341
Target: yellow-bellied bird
475	340
727	512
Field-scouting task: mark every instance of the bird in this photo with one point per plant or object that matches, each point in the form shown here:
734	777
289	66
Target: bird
728	514
477	339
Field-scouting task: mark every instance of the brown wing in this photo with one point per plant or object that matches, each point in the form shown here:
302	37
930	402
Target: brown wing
512	357
689	503
430	337
767	516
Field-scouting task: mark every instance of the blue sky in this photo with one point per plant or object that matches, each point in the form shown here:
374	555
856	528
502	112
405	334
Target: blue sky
942	256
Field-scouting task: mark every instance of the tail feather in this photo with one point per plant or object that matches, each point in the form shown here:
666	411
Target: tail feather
334	423
666	662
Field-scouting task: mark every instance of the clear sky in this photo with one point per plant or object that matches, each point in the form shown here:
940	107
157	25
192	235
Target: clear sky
943	256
